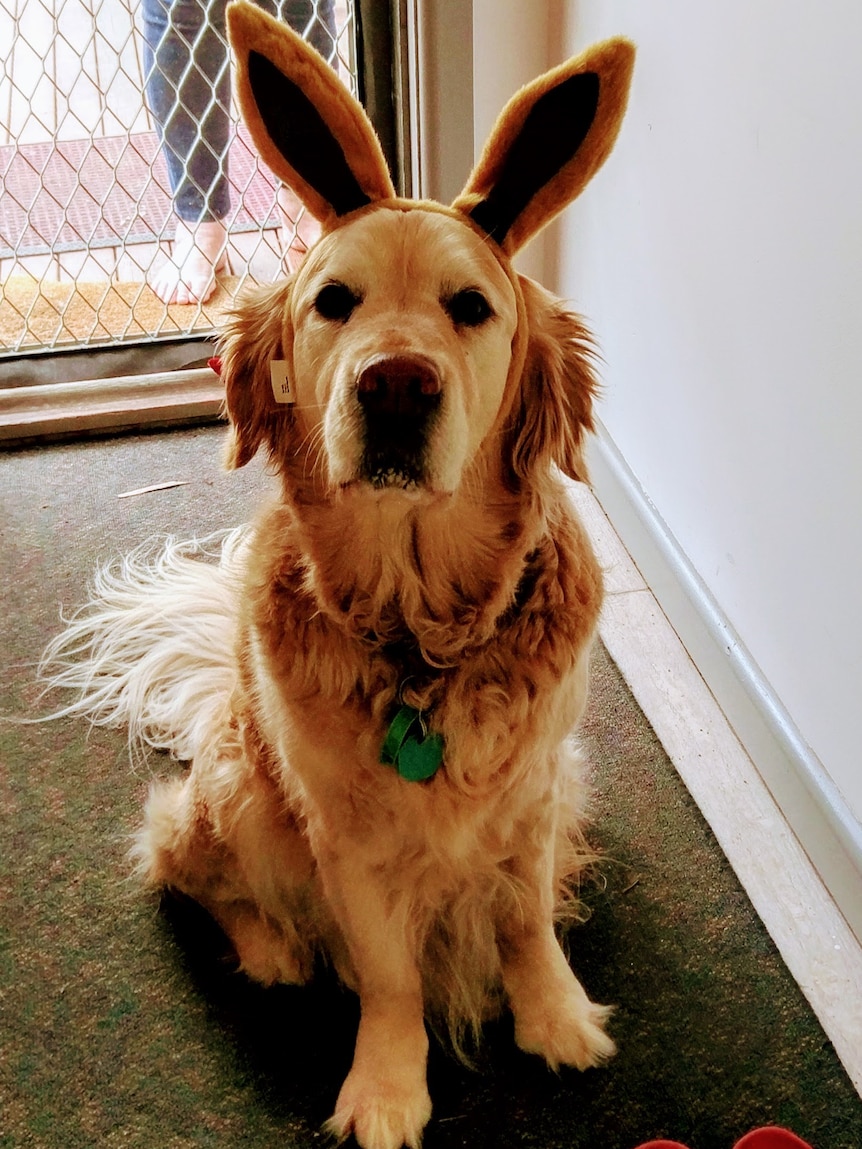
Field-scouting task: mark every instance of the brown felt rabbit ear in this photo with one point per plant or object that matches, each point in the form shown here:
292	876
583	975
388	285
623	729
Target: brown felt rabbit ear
304	123
549	141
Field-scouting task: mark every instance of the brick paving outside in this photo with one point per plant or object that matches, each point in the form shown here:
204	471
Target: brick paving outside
108	191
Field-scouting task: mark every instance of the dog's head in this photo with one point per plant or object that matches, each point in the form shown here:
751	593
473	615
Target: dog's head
407	351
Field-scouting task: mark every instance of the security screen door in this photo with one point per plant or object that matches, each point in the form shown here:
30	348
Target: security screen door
86	214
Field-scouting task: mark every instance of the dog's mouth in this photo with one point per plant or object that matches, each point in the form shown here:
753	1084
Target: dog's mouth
395	451
394	479
400	398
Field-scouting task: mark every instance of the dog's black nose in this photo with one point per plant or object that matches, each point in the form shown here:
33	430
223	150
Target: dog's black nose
406	385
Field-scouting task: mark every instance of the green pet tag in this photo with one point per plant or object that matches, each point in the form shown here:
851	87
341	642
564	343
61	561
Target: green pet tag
415	752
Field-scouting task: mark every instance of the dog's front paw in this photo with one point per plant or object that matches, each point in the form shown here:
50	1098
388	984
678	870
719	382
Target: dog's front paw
570	1031
381	1114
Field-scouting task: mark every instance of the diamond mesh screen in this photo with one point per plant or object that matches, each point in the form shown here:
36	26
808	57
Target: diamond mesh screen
87	218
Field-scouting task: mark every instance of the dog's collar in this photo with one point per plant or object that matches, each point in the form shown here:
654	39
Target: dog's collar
415	751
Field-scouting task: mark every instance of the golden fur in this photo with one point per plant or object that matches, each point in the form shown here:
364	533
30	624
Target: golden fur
423	551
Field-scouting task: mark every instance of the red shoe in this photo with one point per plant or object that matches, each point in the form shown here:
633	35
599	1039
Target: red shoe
662	1145
771	1138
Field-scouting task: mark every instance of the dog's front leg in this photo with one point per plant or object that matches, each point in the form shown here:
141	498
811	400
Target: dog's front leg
553	1015
384	1101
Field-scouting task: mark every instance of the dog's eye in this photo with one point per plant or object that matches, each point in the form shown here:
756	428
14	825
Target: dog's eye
468	308
336	301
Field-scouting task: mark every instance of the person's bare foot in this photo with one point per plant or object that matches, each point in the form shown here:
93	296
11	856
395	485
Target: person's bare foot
299	229
199	255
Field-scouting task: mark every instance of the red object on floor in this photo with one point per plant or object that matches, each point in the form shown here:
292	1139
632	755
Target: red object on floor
767	1138
771	1138
662	1145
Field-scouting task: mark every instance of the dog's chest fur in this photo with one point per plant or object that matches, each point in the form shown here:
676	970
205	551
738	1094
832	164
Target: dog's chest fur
490	651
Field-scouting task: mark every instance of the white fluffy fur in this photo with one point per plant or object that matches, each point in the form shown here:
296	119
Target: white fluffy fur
152	649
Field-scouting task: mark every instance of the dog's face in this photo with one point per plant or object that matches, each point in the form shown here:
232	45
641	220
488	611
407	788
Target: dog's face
412	355
420	361
402	325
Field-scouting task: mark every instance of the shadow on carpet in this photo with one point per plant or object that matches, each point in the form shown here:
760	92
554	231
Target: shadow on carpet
122	1023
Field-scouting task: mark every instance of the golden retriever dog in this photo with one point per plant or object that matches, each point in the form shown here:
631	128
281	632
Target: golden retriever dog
377	682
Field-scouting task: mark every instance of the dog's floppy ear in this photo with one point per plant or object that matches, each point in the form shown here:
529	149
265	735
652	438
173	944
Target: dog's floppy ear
554	410
305	124
549	141
253	338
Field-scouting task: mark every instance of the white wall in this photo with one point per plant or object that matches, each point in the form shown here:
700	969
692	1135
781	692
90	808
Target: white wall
443	94
718	256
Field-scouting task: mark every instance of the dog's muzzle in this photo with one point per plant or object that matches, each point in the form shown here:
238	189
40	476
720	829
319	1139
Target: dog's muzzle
399	397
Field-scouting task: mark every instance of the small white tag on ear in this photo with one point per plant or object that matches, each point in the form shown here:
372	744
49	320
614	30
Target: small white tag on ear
281	388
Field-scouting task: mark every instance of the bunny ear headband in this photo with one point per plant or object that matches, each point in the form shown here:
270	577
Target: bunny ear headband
548	142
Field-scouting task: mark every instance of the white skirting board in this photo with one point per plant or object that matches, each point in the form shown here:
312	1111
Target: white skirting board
650	623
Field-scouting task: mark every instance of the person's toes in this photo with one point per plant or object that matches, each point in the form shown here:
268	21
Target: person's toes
198	257
165	282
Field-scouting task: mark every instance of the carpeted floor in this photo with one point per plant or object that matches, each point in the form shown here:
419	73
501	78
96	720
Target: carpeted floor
121	1023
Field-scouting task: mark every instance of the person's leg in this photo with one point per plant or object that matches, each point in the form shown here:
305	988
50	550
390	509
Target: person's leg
188	91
